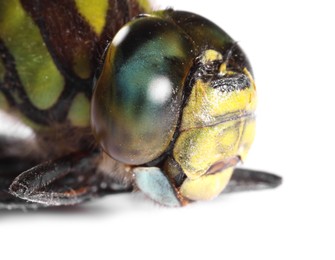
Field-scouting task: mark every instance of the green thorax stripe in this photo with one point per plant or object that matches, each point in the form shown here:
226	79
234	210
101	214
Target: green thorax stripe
50	50
40	78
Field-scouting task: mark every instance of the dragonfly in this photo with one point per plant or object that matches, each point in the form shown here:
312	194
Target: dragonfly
121	98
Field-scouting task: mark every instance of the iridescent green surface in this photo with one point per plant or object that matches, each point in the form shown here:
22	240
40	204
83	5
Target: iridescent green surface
137	100
202	31
207	35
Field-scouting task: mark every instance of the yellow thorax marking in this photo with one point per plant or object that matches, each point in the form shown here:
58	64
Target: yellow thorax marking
94	12
79	113
40	77
144	5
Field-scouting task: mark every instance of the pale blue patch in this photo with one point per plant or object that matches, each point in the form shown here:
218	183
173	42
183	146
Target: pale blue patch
152	182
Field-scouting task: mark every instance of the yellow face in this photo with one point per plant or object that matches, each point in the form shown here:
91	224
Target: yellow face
217	129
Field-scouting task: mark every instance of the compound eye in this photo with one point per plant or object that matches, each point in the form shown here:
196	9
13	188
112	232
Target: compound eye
137	99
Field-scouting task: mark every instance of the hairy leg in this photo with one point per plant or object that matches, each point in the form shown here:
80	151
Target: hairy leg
67	181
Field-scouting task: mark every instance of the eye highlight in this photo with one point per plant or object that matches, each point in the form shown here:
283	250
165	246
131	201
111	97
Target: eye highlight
160	90
120	36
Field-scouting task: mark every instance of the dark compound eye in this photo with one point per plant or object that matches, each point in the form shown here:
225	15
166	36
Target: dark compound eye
149	71
137	100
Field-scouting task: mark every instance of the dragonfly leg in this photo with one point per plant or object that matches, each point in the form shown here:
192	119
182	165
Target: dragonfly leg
66	181
13	161
248	180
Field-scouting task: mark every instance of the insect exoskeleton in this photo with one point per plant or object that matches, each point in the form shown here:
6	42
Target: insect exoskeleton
175	100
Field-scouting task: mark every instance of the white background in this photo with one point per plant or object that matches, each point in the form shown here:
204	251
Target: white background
291	47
